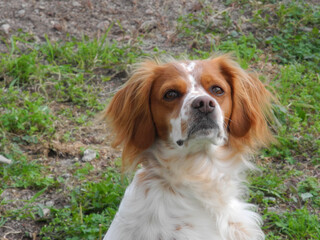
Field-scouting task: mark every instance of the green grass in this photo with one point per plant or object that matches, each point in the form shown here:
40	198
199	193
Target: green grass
300	126
92	208
288	206
25	113
26	174
297	36
35	78
290	30
298	224
50	92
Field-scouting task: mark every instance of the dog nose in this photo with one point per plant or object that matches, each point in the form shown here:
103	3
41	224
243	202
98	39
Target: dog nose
203	104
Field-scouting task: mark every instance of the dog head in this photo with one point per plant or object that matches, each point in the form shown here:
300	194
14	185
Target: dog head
187	104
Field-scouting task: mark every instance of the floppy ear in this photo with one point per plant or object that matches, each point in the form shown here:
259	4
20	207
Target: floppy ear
130	117
251	106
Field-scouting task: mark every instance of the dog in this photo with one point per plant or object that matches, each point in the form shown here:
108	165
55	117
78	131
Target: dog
191	126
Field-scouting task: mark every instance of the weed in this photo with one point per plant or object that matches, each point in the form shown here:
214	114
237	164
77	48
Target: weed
299	224
296	35
60	70
244	48
300	125
26	174
89	55
81	173
71	74
30	209
28	118
92	208
309	189
290	29
20	68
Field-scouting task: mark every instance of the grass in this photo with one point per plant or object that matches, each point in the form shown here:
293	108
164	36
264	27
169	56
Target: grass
50	92
25	113
35	79
300	114
92	208
299	224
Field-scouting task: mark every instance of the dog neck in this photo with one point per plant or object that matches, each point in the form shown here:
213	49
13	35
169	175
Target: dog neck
202	167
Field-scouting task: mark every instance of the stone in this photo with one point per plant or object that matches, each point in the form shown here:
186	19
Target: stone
148	26
66	175
21	13
76	4
89	155
103	26
58	27
46	212
306	196
5	28
49	203
149	12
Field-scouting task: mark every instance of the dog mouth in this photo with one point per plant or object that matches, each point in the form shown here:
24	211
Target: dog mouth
202	130
203	127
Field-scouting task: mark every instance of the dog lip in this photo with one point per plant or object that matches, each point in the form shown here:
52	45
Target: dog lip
203	126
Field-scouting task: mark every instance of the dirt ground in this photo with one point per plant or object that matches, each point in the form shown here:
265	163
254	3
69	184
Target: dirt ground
60	20
130	18
155	20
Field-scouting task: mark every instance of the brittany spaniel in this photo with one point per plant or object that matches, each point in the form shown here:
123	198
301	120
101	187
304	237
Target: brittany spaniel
191	126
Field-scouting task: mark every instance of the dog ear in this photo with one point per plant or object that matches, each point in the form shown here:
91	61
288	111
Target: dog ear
129	115
251	106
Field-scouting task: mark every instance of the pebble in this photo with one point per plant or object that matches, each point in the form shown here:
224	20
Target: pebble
46	212
306	196
89	155
306	29
76	4
5	28
57	26
21	13
66	175
50	203
103	26
148	25
276	210
149	11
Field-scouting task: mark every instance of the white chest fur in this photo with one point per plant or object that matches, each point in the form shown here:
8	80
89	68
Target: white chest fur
162	204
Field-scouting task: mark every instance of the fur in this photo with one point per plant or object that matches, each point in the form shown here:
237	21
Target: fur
193	144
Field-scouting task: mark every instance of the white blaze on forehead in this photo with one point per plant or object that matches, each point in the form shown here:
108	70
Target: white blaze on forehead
195	87
189	68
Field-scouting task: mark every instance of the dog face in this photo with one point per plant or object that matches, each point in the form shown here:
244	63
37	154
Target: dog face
189	103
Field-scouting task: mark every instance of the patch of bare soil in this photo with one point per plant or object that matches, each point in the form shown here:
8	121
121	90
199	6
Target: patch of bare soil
155	20
60	20
130	18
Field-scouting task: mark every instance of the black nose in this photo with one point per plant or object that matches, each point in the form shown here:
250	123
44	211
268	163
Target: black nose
203	104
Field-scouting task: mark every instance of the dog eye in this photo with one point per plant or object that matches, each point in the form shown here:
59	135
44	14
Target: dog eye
171	95
218	91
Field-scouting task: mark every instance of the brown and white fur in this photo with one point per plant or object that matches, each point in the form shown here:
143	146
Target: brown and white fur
191	126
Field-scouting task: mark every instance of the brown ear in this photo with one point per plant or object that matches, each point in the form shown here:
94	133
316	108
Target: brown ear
240	122
251	105
130	117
